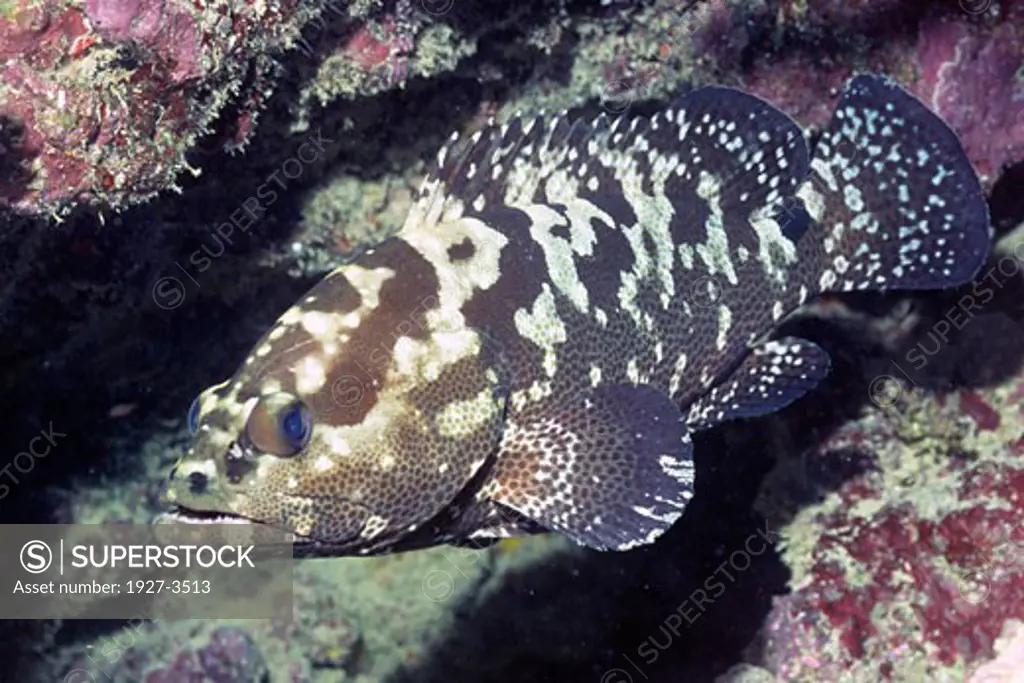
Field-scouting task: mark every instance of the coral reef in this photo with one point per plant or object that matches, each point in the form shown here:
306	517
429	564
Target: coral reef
974	76
111	94
1009	666
374	56
330	638
229	656
910	564
102	102
966	65
912	568
900	519
206	652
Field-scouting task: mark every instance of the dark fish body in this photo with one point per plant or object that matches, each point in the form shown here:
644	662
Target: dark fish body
567	303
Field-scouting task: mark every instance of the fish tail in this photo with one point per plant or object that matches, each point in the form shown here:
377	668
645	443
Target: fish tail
896	202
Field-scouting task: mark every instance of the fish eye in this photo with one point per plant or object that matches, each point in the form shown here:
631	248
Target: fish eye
280	424
296	425
193	417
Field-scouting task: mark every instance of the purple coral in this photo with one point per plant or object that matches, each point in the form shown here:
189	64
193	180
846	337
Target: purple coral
232	656
110	95
889	582
162	28
967	65
974	76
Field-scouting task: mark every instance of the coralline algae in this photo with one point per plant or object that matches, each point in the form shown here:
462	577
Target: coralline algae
966	62
915	565
109	95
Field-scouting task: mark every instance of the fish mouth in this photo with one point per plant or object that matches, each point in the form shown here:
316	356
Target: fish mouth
183	515
302	546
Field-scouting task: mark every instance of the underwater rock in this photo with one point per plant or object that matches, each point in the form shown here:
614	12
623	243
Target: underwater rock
914	566
966	62
185	668
973	75
194	654
1008	667
232	657
108	95
322	637
100	101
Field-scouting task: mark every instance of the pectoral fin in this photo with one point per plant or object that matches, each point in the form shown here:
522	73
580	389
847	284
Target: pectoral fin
611	469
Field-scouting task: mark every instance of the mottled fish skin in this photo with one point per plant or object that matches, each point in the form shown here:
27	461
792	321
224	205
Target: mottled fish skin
566	304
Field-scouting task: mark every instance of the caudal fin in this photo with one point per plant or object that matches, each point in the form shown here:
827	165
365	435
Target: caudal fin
898	203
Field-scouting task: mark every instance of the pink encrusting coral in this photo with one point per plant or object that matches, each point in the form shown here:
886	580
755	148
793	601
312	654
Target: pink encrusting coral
386	52
916	565
968	65
974	76
109	95
1008	667
170	31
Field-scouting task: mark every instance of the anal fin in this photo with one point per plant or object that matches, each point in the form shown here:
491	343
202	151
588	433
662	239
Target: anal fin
772	376
611	469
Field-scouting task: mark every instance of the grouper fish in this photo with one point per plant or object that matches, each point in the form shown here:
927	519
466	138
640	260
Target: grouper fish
567	303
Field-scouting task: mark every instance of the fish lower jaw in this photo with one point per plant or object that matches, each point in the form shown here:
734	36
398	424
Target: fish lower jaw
183	515
180	515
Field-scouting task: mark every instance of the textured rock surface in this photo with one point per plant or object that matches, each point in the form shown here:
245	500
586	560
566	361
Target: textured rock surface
912	569
966	64
107	96
909	562
1008	667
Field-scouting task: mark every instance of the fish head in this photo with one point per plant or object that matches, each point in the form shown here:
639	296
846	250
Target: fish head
354	421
